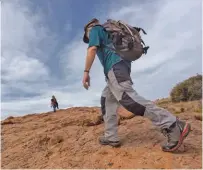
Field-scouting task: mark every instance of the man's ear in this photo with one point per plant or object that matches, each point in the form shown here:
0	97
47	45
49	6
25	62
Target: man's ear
87	34
88	31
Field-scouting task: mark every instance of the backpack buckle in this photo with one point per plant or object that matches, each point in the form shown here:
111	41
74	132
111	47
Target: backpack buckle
145	50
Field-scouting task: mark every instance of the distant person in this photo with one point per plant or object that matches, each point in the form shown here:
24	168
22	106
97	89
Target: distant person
54	103
102	40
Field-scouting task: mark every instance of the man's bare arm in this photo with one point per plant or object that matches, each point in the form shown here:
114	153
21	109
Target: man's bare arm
91	53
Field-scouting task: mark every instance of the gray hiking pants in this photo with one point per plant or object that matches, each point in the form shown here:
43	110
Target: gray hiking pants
119	91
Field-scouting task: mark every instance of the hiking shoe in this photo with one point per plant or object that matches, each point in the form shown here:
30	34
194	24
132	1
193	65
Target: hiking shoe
176	134
104	141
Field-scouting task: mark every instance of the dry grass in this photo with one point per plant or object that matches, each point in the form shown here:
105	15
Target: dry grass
192	106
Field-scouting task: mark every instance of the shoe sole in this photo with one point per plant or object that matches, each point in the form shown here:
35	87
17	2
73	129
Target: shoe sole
184	134
111	144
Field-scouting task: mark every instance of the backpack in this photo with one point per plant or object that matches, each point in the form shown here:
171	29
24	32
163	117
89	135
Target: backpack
126	40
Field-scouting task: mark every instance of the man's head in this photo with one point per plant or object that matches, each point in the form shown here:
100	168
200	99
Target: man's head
87	29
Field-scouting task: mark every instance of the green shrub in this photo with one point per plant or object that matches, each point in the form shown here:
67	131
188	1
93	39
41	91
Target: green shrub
188	90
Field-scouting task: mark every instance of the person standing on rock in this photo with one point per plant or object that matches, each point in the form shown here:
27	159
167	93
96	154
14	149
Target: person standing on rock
54	103
119	89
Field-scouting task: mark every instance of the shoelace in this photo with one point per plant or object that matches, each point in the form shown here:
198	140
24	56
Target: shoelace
166	133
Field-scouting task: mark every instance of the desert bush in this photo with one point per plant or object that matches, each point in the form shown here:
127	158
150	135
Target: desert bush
188	90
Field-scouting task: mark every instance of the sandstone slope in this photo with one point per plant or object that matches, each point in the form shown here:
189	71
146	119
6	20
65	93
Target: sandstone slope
63	140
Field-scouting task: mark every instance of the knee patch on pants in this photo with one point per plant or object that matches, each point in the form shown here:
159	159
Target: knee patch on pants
128	103
102	102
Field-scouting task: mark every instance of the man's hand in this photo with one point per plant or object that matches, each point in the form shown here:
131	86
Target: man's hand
91	52
86	80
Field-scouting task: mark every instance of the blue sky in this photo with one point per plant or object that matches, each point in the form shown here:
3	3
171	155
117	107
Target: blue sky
42	52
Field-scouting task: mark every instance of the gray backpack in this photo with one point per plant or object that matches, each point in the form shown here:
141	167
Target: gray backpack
126	40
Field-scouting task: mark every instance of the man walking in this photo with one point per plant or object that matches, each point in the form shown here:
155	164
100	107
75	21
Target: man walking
119	90
54	103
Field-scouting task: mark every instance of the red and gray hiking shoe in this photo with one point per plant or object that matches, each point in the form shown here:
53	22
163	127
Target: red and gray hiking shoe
104	141
176	134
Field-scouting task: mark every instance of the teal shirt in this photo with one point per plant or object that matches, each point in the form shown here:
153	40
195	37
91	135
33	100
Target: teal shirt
107	57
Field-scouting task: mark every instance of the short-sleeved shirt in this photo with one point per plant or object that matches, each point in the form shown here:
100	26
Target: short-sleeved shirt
99	37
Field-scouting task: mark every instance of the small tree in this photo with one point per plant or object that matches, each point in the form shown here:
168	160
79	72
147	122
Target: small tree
188	90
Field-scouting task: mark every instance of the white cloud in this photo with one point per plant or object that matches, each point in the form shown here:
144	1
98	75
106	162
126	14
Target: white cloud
21	53
21	35
21	67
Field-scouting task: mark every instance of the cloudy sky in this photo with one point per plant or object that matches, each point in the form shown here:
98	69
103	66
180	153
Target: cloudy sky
42	53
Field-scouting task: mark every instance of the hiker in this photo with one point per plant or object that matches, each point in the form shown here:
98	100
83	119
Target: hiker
54	103
102	40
